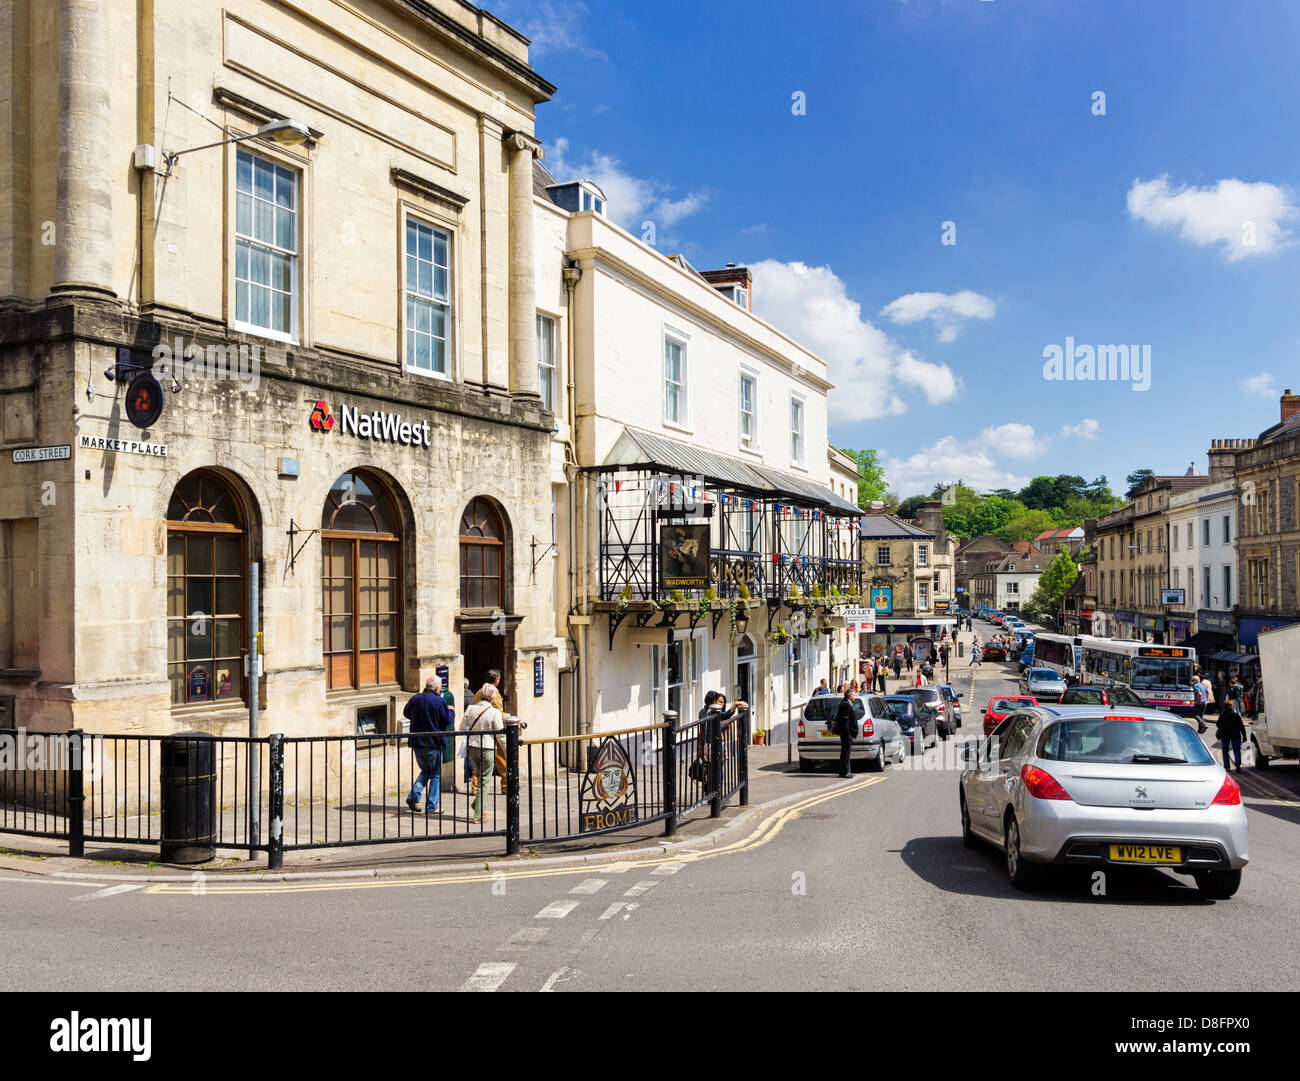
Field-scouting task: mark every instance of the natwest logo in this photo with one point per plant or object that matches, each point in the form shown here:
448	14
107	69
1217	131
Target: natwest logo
321	419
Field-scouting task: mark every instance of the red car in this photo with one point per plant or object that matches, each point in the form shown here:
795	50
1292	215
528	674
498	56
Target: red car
995	651
999	709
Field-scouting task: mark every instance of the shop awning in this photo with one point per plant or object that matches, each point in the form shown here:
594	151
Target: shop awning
635	449
1235	658
1206	642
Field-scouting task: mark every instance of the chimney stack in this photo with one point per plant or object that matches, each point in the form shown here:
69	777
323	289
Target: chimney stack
1290	404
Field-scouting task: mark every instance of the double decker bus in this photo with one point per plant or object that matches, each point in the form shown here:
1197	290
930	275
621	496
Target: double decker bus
1160	675
1062	653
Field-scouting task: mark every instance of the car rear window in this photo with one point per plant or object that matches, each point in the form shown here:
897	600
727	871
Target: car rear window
1007	705
897	707
824	706
1084	695
1143	741
928	694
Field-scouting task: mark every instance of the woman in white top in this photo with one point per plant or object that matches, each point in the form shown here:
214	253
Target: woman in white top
482	716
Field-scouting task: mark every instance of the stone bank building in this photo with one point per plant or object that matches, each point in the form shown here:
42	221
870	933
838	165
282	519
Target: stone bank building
380	449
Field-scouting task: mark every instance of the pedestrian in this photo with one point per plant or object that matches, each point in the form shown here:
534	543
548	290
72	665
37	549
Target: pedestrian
484	716
976	654
1198	698
846	725
1235	690
898	667
907	654
1220	691
822	688
943	654
1231	730
854	686
880	677
427	713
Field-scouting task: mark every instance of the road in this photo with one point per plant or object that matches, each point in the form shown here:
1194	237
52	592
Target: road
864	885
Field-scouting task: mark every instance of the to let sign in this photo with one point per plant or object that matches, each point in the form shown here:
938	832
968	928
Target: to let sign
860	620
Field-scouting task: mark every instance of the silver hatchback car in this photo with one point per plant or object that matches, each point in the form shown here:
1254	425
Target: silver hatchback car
1104	787
1042	683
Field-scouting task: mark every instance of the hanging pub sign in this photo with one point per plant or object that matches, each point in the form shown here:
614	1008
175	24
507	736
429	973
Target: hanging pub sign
684	556
882	600
607	798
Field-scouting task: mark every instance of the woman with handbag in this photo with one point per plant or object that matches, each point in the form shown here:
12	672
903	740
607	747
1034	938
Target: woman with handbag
483	717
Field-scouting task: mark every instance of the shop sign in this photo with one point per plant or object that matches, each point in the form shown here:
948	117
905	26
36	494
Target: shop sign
684	556
539	677
378	424
1218	622
1176	597
882	600
122	446
607	798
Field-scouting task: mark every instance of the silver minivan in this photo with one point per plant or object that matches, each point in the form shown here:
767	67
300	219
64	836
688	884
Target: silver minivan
878	737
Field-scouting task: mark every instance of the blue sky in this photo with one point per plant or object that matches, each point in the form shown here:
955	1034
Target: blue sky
1169	222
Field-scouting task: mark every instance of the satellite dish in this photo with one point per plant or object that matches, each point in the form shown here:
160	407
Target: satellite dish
144	400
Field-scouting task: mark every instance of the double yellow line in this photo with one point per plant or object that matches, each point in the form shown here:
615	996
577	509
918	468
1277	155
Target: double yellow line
1268	789
771	825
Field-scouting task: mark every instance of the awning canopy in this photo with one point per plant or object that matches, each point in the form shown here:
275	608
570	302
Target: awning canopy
1206	642
1234	658
635	449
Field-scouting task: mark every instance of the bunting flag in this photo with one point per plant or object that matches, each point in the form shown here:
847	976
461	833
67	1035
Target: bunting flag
617	485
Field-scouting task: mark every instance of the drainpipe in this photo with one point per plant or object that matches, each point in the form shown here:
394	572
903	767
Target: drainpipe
577	547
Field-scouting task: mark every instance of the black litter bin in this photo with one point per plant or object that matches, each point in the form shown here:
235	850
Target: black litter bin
189	782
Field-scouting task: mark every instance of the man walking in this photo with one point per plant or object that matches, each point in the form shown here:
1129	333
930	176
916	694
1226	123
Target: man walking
1231	730
427	713
846	724
880	676
1198	694
976	654
822	688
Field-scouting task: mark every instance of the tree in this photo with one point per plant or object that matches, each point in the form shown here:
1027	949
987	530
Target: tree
994	513
909	507
871	477
1135	480
1060	574
1027	525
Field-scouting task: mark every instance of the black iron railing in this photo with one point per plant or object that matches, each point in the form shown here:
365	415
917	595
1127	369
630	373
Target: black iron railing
195	790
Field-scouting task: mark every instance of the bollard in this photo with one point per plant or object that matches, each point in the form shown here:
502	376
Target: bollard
76	793
275	766
670	773
512	786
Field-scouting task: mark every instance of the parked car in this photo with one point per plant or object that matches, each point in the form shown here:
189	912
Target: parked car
1079	785
995	651
878	738
1042	683
954	700
916	724
999	709
933	699
1092	695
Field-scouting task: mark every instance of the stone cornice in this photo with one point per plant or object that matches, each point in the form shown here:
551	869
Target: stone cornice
259	114
403	178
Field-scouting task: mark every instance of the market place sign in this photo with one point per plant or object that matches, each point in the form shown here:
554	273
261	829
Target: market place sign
122	446
378	424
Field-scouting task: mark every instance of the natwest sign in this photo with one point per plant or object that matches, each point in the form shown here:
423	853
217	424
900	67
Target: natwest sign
379	424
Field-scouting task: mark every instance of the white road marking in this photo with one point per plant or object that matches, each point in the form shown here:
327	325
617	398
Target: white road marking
489	976
668	868
584	939
641	887
617	868
590	885
109	891
625	908
49	881
556	910
559	976
525	937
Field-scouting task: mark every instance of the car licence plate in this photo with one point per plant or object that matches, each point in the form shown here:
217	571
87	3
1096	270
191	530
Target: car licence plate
1146	854
828	734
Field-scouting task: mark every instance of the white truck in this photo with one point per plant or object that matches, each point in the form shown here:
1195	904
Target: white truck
1275	732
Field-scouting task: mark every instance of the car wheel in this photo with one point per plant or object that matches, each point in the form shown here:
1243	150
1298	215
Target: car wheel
901	756
967	837
1261	760
1217	885
877	764
1023	874
806	765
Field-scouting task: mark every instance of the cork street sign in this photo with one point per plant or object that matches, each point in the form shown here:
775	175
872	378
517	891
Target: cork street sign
43	454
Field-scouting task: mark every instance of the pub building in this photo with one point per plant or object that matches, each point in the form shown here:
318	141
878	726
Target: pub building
379	453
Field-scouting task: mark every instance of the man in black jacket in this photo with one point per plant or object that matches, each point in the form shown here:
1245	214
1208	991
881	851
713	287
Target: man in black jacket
846	724
1231	730
428	715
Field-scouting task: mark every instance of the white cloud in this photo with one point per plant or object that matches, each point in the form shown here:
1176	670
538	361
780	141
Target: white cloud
1085	429
946	461
870	371
1261	384
550	27
631	200
1243	219
946	310
1014	440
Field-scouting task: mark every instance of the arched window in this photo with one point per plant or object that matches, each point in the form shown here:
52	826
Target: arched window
206	590
482	556
361	583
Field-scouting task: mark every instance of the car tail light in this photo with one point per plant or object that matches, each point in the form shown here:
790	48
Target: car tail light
1118	717
1042	784
1229	795
868	729
801	731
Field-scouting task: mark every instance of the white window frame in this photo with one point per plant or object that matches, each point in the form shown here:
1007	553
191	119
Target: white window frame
922	596
421	222
884	556
799	450
295	256
683	342
922	555
750	375
547	370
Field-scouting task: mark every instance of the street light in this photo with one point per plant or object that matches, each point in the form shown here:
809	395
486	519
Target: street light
283	132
